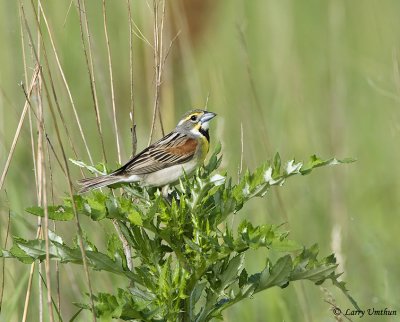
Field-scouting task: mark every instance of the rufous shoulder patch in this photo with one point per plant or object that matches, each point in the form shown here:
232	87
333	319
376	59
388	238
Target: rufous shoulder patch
187	147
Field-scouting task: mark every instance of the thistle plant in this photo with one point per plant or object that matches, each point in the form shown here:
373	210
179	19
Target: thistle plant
188	260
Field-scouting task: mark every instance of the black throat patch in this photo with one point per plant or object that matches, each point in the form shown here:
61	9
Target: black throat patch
205	133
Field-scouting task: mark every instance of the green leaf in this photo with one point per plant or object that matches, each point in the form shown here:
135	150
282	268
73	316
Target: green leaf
94	170
188	260
316	275
60	213
278	275
121	306
135	218
95	206
243	278
232	271
277	164
316	162
18	253
113	209
28	251
342	286
285	245
114	246
197	291
76	314
214	161
33	248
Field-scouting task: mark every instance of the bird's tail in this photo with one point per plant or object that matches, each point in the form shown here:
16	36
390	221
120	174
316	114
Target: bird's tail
98	182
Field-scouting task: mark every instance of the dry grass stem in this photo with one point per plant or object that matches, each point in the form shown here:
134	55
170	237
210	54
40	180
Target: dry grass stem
28	293
42	180
69	180
29	109
40	160
68	11
111	80
125	244
241	151
39	124
54	225
37	54
19	127
132	113
65	83
89	63
169	50
55	154
34	156
3	266
33	147
158	64
40	282
139	34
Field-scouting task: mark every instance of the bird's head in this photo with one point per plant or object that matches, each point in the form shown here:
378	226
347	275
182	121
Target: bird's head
195	123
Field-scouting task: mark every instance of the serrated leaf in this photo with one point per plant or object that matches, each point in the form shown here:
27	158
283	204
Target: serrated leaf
342	286
60	213
96	208
78	312
33	248
30	250
18	253
114	245
316	162
232	271
292	167
197	291
54	237
113	209
92	169
277	164
135	218
285	245
278	275
180	248
316	274
243	278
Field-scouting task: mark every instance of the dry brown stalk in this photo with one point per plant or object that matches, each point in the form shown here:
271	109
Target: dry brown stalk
58	135
111	81
158	64
132	113
3	264
18	131
90	68
65	83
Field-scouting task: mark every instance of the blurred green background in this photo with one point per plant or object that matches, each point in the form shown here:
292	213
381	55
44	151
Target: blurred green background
300	77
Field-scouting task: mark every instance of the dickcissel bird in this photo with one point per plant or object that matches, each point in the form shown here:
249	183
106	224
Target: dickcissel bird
165	161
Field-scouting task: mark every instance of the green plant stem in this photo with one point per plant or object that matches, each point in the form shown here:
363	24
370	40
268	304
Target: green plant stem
179	255
186	303
184	256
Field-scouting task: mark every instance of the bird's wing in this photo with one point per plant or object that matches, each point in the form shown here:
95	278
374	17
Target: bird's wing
174	148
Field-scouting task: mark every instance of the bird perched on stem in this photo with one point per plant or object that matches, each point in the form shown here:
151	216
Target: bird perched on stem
165	161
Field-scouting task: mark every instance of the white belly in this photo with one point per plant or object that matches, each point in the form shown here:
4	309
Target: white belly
165	176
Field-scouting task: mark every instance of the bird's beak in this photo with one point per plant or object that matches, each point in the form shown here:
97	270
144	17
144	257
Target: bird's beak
207	116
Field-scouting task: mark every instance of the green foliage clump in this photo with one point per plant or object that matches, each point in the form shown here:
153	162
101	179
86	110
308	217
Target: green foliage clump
189	263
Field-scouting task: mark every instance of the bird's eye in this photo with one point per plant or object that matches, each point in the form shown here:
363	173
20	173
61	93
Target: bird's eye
193	118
